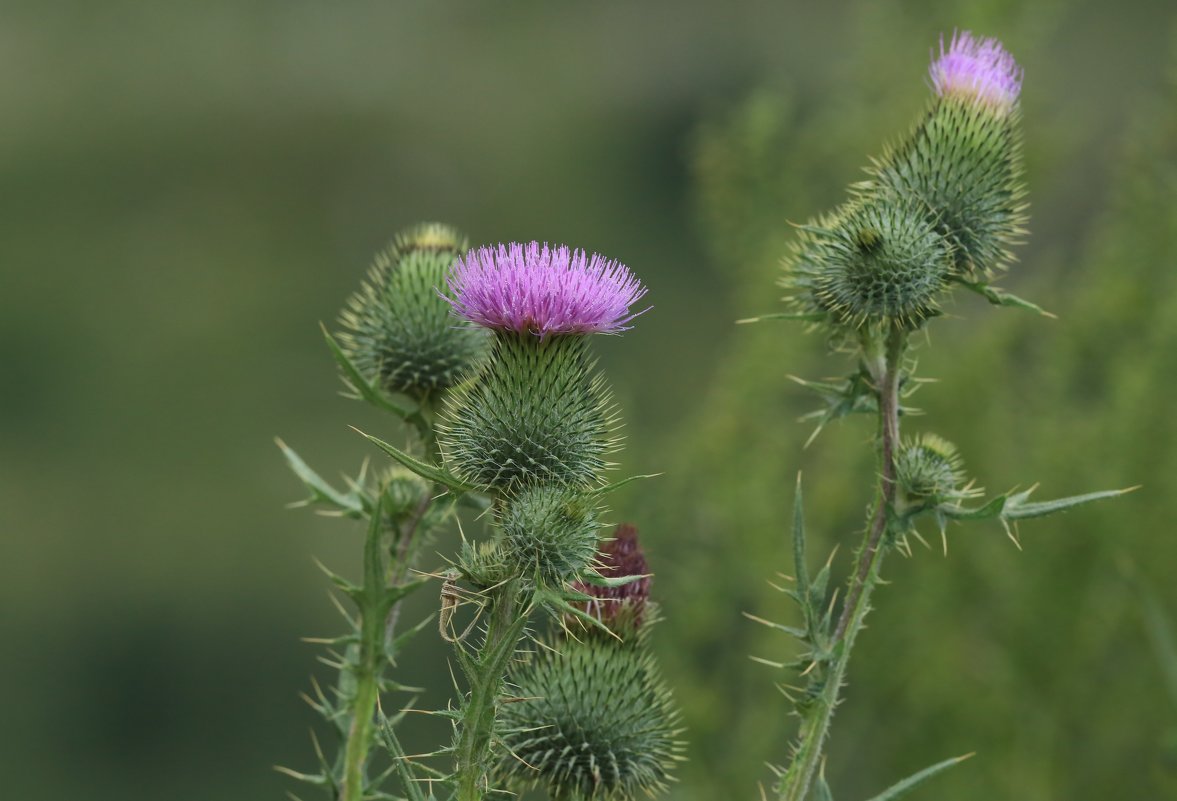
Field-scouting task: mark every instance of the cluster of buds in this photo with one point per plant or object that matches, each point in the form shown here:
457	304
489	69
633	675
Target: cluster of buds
593	718
942	206
534	423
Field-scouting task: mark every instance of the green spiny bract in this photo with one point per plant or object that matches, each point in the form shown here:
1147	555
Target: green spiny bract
549	533
405	492
536	412
398	331
876	258
929	468
590	720
963	164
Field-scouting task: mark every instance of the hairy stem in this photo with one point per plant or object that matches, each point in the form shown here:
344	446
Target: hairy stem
485	673
815	723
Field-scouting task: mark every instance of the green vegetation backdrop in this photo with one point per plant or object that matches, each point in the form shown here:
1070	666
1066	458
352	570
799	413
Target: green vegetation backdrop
189	190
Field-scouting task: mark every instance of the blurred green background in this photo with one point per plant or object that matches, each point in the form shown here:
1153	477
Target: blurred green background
189	189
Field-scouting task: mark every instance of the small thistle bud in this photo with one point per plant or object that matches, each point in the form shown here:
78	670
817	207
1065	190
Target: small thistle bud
590	720
398	332
622	609
535	289
537	412
929	468
877	258
549	533
404	492
963	160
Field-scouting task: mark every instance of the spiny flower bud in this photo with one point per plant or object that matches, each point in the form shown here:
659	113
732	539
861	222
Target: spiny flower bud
877	258
963	161
622	609
549	533
591	720
398	332
929	468
536	289
536	412
404	492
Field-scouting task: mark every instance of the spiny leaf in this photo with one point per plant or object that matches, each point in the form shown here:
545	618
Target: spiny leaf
897	790
1020	511
806	316
616	485
999	297
352	504
426	471
362	387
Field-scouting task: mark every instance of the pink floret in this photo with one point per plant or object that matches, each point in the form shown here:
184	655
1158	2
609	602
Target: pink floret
541	290
977	68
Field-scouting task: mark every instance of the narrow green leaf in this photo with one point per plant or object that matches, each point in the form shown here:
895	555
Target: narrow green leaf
987	512
362	387
999	297
616	485
897	790
598	580
1016	510
799	542
812	316
400	760
352	504
426	471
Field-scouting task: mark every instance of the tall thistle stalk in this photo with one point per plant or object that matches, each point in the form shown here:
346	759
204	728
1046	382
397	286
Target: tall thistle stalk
939	210
400	352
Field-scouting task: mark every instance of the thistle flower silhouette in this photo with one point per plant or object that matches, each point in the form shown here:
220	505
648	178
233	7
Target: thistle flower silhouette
979	69
537	289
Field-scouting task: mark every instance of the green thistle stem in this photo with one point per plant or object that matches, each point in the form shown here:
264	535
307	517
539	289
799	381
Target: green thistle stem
485	673
815	723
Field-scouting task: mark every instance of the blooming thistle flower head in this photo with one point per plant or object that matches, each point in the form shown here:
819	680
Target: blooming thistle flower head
540	290
979	69
621	609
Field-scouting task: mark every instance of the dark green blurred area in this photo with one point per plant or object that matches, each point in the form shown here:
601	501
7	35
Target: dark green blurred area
189	190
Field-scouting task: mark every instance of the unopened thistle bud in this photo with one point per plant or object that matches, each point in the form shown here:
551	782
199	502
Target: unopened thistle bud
537	411
549	533
878	258
963	160
397	331
622	609
591	721
929	468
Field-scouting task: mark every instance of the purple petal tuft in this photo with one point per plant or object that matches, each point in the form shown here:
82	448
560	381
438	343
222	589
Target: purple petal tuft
977	68
541	290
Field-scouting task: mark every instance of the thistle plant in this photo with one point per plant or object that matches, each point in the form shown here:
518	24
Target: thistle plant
484	353
939	209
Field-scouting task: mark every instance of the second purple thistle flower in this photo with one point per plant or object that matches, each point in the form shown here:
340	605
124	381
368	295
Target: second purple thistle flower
540	290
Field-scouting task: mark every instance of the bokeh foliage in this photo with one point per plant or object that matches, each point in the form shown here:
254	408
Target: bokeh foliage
189	189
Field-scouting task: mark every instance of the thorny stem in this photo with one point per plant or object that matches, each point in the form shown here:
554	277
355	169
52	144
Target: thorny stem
485	673
377	631
815	722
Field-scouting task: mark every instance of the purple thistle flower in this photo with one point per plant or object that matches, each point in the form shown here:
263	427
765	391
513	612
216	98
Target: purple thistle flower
541	290
976	68
619	557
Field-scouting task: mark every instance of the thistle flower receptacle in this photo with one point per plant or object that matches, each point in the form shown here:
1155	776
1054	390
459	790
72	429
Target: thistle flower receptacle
549	533
536	412
590	721
878	258
621	609
963	161
397	331
541	290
